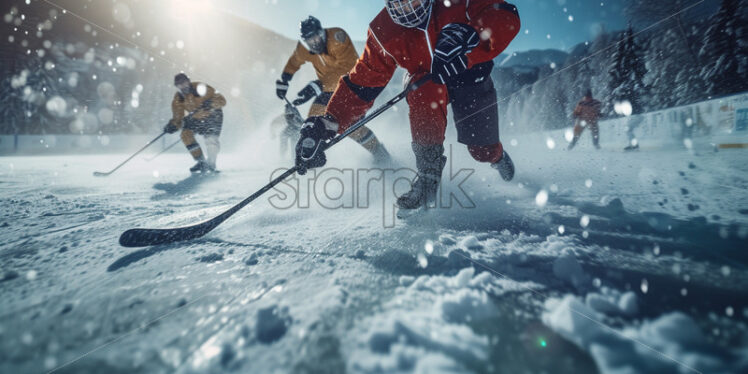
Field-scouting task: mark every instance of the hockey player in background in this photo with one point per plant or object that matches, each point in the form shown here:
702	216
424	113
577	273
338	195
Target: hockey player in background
586	114
456	43
286	127
332	54
196	109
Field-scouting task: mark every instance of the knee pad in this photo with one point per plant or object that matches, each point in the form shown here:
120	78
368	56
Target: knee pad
486	153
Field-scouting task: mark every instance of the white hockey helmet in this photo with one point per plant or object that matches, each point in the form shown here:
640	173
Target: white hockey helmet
409	13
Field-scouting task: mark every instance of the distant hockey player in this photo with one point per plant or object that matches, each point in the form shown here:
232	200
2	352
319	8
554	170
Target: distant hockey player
287	126
197	109
454	41
332	54
586	114
634	121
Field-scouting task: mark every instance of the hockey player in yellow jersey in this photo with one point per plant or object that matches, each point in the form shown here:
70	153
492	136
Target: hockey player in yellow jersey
197	109
332	54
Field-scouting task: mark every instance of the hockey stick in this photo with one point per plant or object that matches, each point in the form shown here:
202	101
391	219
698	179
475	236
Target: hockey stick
147	237
164	151
102	174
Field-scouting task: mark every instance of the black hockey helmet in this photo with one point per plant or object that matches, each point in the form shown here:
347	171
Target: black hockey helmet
181	78
313	35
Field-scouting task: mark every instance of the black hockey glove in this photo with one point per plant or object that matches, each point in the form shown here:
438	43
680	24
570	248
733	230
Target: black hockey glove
312	90
455	41
170	128
281	85
310	150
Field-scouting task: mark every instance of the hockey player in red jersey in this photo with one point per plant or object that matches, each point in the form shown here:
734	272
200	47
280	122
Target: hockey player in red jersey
456	43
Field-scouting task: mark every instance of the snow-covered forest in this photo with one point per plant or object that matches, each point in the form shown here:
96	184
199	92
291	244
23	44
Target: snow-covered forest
65	75
684	59
61	77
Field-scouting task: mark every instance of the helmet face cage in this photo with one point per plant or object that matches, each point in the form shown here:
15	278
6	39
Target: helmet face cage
315	43
409	13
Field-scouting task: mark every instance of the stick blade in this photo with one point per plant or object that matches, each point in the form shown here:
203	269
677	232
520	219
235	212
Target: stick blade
148	237
100	174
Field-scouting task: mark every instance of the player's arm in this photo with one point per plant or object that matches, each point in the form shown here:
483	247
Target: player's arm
293	65
577	111
295	62
357	91
177	110
214	99
497	23
177	115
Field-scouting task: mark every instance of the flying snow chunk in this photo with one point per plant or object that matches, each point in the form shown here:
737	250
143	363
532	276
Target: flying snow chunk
588	183
485	34
121	13
202	89
180	44
541	198
571	18
688	143
155	174
57	106
429	247
623	108
106	116
584	221
569	135
423	262
550	143
561	229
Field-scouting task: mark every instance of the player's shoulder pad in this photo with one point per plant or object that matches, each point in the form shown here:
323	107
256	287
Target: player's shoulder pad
384	29
339	34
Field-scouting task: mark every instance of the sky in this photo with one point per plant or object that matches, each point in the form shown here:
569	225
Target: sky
558	24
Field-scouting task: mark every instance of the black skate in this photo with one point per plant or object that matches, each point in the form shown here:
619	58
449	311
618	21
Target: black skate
505	166
430	161
202	167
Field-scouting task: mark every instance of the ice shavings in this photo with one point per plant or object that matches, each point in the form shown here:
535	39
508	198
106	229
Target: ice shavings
426	327
670	343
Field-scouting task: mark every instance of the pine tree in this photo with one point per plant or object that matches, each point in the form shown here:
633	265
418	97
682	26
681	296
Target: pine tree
720	53
627	73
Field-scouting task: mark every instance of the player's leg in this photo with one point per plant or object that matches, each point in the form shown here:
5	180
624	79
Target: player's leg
476	114
428	122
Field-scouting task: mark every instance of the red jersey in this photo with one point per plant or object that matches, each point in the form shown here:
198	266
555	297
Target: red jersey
389	45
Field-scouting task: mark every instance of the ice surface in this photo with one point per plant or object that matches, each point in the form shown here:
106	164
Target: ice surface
426	320
309	289
669	343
